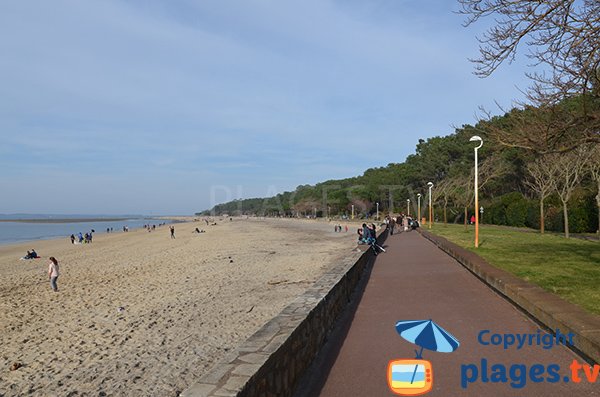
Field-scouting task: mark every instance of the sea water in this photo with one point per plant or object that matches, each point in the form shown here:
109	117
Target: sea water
16	232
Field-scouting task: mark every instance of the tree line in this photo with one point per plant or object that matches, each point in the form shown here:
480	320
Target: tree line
518	187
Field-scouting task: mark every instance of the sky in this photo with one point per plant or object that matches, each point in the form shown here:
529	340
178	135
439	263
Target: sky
169	107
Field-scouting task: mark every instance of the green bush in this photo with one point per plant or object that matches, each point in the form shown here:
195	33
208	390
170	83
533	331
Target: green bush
581	210
533	214
495	213
516	209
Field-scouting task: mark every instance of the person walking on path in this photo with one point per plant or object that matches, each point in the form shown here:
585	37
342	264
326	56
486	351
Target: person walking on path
53	273
172	228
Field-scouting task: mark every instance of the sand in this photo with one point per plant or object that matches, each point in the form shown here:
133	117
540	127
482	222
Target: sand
141	314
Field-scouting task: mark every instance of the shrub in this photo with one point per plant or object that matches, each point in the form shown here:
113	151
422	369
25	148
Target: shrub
516	209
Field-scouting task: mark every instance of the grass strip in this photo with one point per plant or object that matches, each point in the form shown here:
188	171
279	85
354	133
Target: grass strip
569	268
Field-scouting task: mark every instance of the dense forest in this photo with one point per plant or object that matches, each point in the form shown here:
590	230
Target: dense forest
508	194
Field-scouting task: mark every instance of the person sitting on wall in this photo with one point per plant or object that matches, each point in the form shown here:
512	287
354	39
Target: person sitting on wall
414	225
360	236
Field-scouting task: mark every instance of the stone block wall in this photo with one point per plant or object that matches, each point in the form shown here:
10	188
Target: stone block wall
272	361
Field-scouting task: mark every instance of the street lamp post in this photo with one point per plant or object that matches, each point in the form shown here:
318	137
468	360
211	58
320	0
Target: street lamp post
352	211
407	207
430	184
377	211
476	138
419	207
481	216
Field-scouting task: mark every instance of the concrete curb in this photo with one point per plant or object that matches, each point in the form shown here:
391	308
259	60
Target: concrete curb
545	307
273	360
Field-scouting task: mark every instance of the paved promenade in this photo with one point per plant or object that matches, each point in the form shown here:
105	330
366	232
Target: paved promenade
414	280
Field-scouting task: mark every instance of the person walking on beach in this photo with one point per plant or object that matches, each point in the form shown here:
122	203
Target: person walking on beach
53	273
172	228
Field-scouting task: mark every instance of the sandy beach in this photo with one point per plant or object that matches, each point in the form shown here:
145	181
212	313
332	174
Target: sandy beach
141	314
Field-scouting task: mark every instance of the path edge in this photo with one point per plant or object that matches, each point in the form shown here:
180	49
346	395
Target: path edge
546	308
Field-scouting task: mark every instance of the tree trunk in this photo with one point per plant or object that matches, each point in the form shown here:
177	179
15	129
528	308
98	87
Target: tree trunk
466	218
542	216
566	218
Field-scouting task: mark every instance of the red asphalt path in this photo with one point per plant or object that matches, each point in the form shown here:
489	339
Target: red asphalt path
414	280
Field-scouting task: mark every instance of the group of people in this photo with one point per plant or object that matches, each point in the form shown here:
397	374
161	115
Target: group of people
368	235
82	238
151	228
402	221
31	255
53	266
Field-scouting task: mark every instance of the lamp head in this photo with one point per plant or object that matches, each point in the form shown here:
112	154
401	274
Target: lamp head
430	184
477	138
418	194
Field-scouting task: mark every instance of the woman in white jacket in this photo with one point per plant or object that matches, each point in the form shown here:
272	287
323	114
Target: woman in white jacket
53	273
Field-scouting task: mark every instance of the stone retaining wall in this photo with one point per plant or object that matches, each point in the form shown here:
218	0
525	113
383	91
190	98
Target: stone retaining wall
545	307
272	361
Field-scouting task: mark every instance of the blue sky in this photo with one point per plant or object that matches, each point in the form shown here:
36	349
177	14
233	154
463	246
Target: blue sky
164	107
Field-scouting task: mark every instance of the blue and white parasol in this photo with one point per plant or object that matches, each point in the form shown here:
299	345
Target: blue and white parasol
428	335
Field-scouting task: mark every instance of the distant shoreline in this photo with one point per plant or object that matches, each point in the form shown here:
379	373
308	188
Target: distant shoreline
65	220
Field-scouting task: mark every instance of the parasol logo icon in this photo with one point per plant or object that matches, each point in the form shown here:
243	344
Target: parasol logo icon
413	377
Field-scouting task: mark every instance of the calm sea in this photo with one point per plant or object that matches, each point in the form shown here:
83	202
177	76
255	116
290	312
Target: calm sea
15	232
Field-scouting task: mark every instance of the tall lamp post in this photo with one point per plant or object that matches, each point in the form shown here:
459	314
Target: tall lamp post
352	211
377	211
430	184
419	207
476	138
407	207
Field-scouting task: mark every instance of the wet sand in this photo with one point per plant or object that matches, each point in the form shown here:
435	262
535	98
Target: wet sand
141	314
